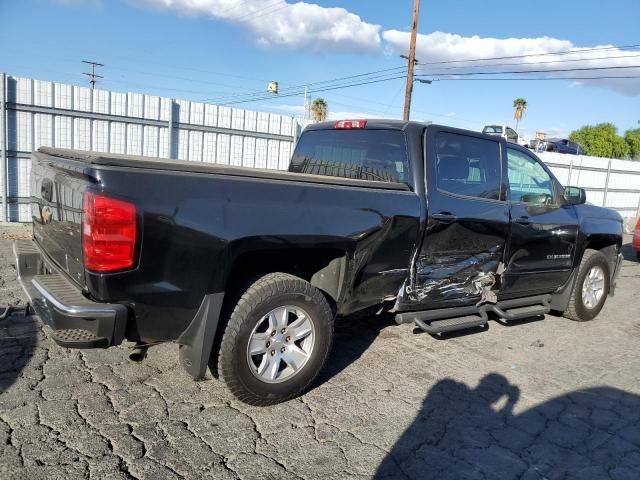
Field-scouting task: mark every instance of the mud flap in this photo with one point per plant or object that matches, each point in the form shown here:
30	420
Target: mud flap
196	342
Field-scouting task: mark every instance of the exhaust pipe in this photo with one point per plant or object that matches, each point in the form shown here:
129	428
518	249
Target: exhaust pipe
139	353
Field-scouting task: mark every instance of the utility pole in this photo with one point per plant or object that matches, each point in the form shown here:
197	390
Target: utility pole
412	61
93	76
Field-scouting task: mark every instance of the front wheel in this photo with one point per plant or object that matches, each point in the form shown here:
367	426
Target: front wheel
591	288
276	341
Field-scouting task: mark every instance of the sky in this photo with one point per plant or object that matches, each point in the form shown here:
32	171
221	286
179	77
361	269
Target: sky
223	51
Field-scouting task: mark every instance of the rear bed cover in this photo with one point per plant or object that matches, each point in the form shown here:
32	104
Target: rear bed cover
154	163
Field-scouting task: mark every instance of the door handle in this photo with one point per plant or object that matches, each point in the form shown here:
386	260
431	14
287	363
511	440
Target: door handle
524	220
444	217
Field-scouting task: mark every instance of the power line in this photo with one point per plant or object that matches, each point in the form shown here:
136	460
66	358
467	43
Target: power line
516	72
387	77
603	77
241	98
256	13
566	52
540	63
301	86
325	89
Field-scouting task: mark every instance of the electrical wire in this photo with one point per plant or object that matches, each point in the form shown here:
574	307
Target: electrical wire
325	89
565	52
385	78
540	63
603	77
518	72
256	13
306	85
242	98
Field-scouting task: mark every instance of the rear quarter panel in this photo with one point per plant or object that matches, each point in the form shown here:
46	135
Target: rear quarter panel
195	226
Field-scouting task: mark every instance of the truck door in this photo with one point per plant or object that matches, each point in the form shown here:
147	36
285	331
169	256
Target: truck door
467	222
544	231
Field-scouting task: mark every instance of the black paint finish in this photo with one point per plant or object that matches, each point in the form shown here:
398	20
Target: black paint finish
197	223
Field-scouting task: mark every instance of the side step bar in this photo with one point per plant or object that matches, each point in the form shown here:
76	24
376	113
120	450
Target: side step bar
452	324
460	318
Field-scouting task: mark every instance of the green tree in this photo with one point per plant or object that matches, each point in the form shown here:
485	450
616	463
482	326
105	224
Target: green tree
600	140
520	105
319	109
632	137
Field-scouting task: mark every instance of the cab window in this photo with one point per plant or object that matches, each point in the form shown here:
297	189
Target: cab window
468	166
529	182
365	154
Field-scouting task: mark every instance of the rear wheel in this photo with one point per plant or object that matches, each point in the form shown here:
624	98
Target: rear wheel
591	288
276	341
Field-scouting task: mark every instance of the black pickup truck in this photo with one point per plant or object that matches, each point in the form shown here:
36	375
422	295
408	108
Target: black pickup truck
246	269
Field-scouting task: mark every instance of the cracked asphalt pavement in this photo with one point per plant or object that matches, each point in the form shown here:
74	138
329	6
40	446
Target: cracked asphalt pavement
550	399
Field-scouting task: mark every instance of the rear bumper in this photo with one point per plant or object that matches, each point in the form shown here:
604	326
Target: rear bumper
77	321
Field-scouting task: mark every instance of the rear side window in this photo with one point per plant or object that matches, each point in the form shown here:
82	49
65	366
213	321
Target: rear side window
468	166
378	155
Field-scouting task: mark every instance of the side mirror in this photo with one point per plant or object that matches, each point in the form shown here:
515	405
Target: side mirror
575	195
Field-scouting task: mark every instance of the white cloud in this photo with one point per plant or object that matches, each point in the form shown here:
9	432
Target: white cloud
303	26
440	47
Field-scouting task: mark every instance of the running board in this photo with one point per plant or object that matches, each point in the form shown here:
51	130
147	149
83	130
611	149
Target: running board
453	324
460	318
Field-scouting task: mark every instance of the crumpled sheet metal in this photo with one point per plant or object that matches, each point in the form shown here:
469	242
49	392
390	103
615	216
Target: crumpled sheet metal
450	277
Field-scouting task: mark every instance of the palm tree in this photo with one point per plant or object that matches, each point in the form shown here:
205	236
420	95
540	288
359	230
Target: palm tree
520	104
319	109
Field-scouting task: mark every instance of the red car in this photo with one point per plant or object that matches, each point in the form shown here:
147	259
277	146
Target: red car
635	244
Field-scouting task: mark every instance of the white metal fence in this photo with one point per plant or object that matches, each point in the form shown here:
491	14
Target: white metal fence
609	183
35	113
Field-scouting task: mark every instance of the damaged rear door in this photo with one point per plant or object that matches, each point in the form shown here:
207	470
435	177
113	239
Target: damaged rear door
467	225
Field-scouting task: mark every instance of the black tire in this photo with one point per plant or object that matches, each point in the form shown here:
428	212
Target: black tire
577	310
269	292
638	255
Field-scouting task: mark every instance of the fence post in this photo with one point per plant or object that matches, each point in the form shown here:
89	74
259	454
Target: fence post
172	105
3	144
570	170
606	185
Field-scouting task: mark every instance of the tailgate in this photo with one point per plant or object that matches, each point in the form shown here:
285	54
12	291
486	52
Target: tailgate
57	189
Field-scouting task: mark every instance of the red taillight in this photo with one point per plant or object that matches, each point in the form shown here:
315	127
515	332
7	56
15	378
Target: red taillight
108	233
347	124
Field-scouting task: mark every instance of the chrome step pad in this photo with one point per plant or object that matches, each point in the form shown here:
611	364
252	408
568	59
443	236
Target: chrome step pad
78	338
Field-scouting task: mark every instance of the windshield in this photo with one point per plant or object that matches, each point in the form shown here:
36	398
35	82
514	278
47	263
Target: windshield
492	129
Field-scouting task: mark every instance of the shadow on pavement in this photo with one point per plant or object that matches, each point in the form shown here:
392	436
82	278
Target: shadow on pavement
629	253
18	341
353	335
464	433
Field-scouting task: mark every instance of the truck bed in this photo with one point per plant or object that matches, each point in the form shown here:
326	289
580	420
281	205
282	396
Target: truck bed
156	163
